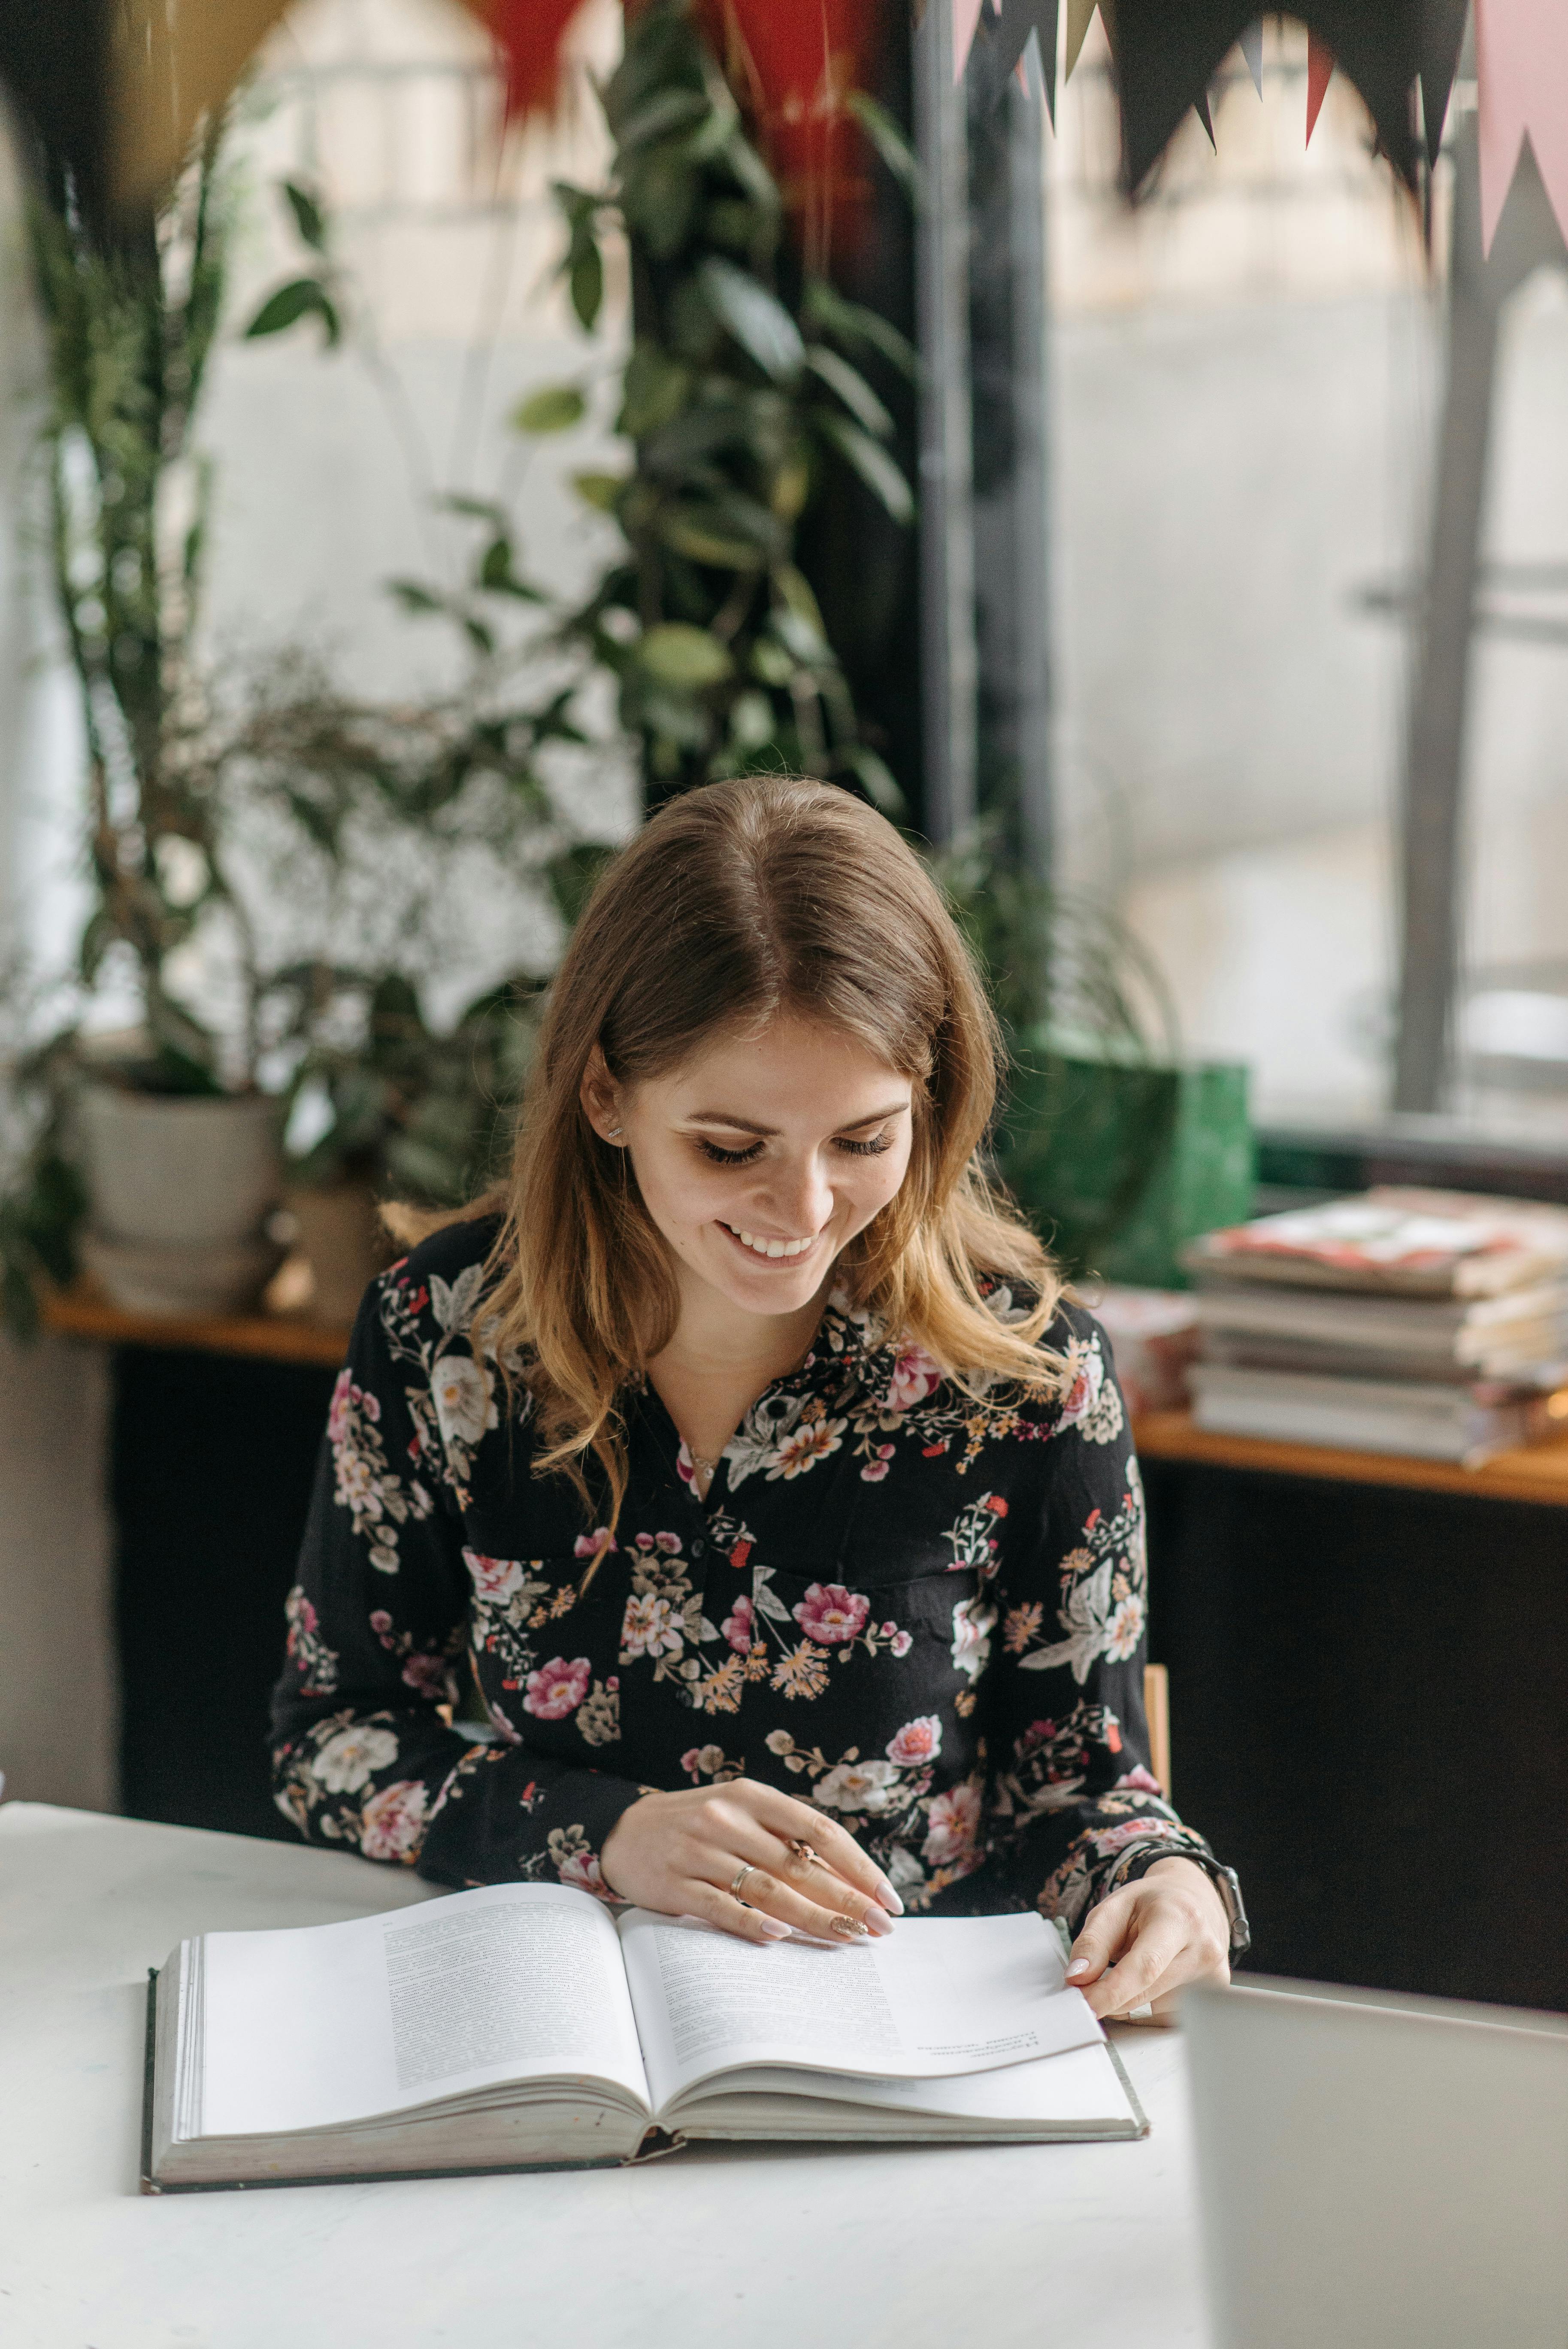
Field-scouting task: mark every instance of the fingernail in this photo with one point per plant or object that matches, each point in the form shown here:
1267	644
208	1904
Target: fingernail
847	1928
890	1899
773	1929
878	1921
1078	1966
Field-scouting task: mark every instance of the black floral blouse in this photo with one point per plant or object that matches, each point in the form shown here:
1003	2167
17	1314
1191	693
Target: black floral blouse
922	1613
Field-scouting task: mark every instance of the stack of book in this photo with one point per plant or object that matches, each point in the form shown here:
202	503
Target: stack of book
1427	1322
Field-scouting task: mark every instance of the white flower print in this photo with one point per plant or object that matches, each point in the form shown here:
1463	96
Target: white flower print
1125	1629
348	1761
392	1824
1086	1616
495	1579
461	1394
806	1446
973	1621
917	1742
858	1786
651	1628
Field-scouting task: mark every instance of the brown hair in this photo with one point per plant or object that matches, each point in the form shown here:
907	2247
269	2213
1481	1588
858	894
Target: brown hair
735	902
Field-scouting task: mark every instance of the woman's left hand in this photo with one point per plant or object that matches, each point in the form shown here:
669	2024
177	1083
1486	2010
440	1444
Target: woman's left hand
1144	1944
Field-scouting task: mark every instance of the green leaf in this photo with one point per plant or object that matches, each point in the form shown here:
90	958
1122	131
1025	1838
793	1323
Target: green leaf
889	141
586	281
700	544
851	387
679	654
600	491
756	318
824	306
302	297
869	460
876	779
414	597
308	216
667	110
554	407
656	388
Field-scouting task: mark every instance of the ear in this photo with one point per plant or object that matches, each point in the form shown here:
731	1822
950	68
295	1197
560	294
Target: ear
598	1096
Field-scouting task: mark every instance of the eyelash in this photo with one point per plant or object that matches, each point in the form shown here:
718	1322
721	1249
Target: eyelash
710	1150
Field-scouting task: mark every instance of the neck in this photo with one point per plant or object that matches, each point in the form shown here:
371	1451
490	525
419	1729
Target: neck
714	1339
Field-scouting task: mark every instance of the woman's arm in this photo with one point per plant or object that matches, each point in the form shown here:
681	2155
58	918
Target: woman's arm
377	1666
1075	1815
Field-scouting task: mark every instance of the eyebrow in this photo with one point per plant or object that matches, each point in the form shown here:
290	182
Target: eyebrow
746	1126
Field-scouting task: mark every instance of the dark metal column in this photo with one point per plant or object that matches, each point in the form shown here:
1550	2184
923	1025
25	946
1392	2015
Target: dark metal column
1432	810
947	529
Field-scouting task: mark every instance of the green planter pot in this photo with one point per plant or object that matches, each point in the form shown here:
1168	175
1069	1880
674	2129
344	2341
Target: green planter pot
1120	1166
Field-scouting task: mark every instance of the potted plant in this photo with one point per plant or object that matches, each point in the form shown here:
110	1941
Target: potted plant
179	1149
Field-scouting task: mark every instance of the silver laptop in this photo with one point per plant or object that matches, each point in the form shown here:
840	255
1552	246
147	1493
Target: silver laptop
1378	2172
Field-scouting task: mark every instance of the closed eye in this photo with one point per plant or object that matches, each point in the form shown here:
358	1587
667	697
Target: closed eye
711	1150
873	1149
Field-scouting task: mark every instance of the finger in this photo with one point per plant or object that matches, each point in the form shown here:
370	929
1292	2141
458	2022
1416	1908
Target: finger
836	1912
712	1906
795	1821
1101	1940
1134	1976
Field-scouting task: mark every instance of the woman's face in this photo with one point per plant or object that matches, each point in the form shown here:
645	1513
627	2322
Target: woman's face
761	1157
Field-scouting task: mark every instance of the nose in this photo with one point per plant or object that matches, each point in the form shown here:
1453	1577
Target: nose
799	1198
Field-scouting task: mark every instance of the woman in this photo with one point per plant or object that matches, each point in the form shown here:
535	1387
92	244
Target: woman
746	1450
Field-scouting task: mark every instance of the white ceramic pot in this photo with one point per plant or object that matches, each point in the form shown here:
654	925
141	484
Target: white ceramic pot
341	1233
181	1191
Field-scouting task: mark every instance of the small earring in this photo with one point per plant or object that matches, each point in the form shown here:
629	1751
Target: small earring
614	1133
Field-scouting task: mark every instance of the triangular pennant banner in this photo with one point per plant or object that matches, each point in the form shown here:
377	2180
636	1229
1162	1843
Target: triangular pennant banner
1166	56
965	21
1252	52
1019	19
1521	67
1442	31
1319	74
1080	16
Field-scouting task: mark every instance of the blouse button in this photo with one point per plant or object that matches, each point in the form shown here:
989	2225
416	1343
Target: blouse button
699	1547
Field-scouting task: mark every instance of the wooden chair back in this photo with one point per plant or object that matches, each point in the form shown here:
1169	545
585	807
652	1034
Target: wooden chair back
1157	1706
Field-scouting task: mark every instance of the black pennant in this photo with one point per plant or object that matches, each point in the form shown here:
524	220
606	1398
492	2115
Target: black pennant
1019	19
54	63
1166	56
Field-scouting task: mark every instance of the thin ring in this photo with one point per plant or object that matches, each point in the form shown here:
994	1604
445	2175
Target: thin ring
807	1854
742	1874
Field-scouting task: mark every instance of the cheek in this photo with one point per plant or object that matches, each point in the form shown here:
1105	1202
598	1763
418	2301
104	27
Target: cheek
875	1181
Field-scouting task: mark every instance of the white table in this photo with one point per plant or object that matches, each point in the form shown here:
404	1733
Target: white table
1058	2247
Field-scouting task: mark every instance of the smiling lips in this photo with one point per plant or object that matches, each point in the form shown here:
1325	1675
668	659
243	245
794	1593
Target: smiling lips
766	1248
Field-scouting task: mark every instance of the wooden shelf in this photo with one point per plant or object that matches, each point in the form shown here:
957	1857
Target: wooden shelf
1533	1473
83	1311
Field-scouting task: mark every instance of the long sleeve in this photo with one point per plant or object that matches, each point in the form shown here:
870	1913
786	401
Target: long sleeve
1073	1809
378	1627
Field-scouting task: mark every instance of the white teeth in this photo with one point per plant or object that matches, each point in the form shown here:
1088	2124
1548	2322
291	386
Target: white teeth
769	1248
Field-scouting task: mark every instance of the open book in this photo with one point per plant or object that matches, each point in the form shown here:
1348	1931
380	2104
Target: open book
523	2026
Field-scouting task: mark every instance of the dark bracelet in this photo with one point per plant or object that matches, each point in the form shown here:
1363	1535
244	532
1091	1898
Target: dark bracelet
1225	1881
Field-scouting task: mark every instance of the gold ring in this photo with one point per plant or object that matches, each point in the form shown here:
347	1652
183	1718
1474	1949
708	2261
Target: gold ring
803	1853
740	1877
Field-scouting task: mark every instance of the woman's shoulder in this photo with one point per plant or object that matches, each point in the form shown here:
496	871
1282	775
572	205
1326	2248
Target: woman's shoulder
1077	1373
444	1273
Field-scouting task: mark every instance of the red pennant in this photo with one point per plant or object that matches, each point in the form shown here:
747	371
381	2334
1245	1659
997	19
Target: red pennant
529	34
1319	74
795	65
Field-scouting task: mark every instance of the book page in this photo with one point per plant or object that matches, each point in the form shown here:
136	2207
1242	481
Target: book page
936	1996
329	2024
1079	2088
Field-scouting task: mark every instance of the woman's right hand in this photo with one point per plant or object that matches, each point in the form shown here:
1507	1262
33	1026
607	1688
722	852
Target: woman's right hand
680	1853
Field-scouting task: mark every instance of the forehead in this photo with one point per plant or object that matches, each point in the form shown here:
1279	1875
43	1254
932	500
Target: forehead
789	1067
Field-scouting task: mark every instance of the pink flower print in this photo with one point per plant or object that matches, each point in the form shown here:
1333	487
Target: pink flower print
1113	1839
582	1869
953	1823
1038	1733
494	1579
914	1376
669	1542
428	1675
392	1824
737	1626
832	1615
593	1544
902	1642
1141	1779
380	1623
917	1742
557	1688
876	1469
684	1468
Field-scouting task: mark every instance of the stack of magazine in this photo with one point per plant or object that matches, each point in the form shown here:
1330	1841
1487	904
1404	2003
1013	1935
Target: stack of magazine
1433	1323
